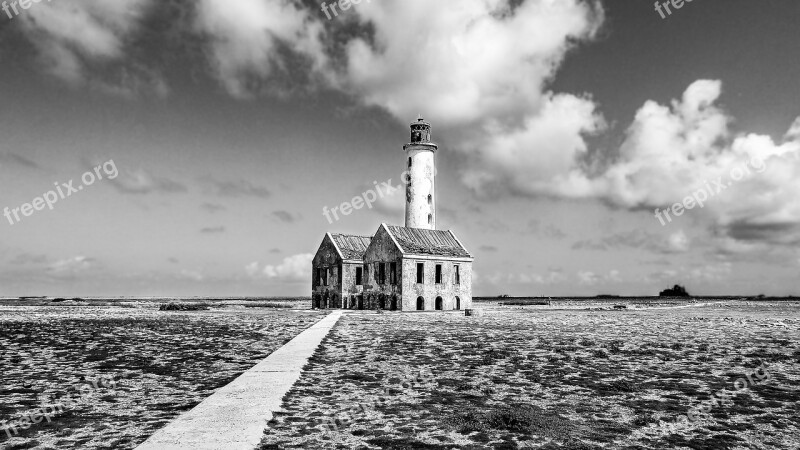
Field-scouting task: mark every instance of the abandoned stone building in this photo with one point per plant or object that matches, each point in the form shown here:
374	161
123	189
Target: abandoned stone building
410	268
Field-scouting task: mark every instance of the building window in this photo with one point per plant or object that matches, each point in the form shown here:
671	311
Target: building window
329	276
366	273
339	275
420	273
458	303
409	162
430	219
381	273
359	276
324	277
439	304
420	304
456	274
393	273
438	274
430	199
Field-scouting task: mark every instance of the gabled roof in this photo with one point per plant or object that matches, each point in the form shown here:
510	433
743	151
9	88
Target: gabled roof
351	247
417	241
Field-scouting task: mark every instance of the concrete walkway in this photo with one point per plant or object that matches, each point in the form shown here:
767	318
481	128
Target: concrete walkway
236	416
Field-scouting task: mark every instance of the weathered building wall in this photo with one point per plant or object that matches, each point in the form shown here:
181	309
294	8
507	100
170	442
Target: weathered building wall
429	290
330	295
350	290
382	250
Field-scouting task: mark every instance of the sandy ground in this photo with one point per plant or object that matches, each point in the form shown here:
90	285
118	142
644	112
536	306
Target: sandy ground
572	375
123	371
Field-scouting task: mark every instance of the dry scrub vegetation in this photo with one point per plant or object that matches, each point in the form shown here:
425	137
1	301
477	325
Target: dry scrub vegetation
163	363
549	379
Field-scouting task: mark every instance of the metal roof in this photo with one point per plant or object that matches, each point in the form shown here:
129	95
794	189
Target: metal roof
417	241
351	247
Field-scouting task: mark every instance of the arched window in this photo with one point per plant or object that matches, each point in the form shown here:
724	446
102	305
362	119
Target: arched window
420	304
458	303
439	303
430	199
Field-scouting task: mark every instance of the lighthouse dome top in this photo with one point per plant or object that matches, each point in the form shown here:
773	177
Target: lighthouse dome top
421	133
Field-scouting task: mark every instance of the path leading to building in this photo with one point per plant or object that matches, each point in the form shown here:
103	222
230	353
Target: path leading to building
235	416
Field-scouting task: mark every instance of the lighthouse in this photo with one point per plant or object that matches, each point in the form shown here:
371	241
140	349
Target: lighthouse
421	177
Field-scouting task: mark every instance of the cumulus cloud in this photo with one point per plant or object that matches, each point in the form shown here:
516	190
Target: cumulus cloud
677	242
483	71
70	266
246	38
291	269
589	278
85	43
673	151
237	188
141	182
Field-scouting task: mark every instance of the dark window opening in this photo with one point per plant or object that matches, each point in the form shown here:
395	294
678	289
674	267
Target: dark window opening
430	199
339	275
393	273
324	277
457	275
359	276
438	274
381	273
420	273
420	304
430	219
439	302
458	303
409	162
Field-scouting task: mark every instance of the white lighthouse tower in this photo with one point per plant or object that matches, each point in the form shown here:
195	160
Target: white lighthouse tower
420	181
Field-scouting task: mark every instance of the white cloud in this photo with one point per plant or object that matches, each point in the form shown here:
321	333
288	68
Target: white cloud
70	266
292	268
141	182
590	278
246	35
78	40
193	275
678	242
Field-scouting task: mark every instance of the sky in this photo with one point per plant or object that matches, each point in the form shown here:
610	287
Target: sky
577	142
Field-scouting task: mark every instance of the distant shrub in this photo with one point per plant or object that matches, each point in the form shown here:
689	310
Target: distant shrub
526	303
184	307
269	305
676	291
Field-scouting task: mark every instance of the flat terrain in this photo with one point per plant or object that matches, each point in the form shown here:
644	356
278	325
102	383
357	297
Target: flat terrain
571	375
161	362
